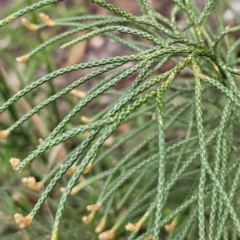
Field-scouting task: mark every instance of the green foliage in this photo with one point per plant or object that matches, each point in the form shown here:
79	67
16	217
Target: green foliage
175	173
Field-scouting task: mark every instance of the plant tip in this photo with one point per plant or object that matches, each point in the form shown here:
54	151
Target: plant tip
22	59
4	133
78	93
54	237
100	226
149	237
87	219
86	119
14	162
94	207
108	235
10	18
29	25
171	226
88	168
23	221
133	226
46	19
71	169
73	191
31	183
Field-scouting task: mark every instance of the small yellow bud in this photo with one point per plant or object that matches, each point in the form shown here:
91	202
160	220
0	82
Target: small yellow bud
100	226
149	237
86	119
108	235
87	219
14	162
71	170
10	18
29	25
88	168
78	93
54	237
22	59
171	226
31	183
23	221
94	207
46	19
133	226
73	191
4	133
